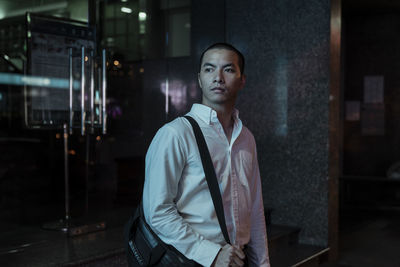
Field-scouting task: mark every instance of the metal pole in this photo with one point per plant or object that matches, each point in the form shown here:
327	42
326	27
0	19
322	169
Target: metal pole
26	99
87	173
71	114
92	62
83	113
66	174
100	103
87	161
104	87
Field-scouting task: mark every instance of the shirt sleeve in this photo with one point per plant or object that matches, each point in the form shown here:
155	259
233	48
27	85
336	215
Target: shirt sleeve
165	161
258	245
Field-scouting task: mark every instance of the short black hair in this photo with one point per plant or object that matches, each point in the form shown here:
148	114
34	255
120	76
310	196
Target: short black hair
227	47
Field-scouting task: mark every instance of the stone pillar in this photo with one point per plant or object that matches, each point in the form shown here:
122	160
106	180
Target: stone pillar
285	103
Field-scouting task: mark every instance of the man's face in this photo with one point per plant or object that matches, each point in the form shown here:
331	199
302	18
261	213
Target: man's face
220	78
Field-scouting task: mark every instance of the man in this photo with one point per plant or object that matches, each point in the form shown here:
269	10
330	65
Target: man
176	200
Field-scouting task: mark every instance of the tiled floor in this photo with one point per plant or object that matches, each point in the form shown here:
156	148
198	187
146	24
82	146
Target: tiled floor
371	240
30	245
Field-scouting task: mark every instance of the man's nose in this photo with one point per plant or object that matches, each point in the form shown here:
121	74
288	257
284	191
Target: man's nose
219	78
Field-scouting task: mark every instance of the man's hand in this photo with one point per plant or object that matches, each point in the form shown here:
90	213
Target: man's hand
229	256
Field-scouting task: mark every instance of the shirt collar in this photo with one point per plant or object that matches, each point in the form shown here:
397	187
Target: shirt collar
208	115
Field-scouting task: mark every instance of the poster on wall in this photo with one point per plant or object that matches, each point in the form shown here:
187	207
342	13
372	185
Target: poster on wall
49	40
373	108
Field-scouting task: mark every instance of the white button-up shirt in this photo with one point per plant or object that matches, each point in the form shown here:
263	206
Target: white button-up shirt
176	200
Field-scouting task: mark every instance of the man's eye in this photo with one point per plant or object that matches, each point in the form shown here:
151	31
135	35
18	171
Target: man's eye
207	69
230	70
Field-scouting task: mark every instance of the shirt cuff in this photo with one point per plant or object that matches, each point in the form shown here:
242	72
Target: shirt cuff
206	252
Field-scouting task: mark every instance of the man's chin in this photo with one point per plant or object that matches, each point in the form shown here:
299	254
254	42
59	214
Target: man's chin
216	100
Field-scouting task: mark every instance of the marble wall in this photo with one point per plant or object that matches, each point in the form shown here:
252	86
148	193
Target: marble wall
285	102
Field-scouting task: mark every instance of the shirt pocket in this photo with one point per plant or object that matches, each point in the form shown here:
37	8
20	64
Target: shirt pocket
244	167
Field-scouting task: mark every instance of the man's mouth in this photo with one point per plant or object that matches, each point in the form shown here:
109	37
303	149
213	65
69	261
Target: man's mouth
218	89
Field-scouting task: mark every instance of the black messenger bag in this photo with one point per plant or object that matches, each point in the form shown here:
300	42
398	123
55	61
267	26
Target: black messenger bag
145	248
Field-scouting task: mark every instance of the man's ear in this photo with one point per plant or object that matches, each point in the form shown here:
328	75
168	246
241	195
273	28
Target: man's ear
198	79
243	80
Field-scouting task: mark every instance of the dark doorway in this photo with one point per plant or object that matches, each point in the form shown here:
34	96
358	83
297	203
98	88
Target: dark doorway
370	182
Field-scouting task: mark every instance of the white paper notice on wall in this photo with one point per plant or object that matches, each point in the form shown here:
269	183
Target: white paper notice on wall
352	110
373	89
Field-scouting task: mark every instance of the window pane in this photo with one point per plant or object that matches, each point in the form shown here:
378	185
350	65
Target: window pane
179	34
72	9
148	25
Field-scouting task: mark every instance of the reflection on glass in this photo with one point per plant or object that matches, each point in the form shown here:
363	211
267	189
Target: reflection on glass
175	92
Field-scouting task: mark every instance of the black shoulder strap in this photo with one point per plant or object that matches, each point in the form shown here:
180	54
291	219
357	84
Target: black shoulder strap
210	176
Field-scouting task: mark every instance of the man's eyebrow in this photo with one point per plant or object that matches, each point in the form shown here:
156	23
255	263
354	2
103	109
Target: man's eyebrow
208	65
212	65
228	65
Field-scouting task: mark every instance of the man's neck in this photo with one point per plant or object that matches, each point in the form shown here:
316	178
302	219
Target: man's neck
224	114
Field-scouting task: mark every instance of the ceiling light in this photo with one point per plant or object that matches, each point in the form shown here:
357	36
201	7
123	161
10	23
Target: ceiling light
126	10
142	16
